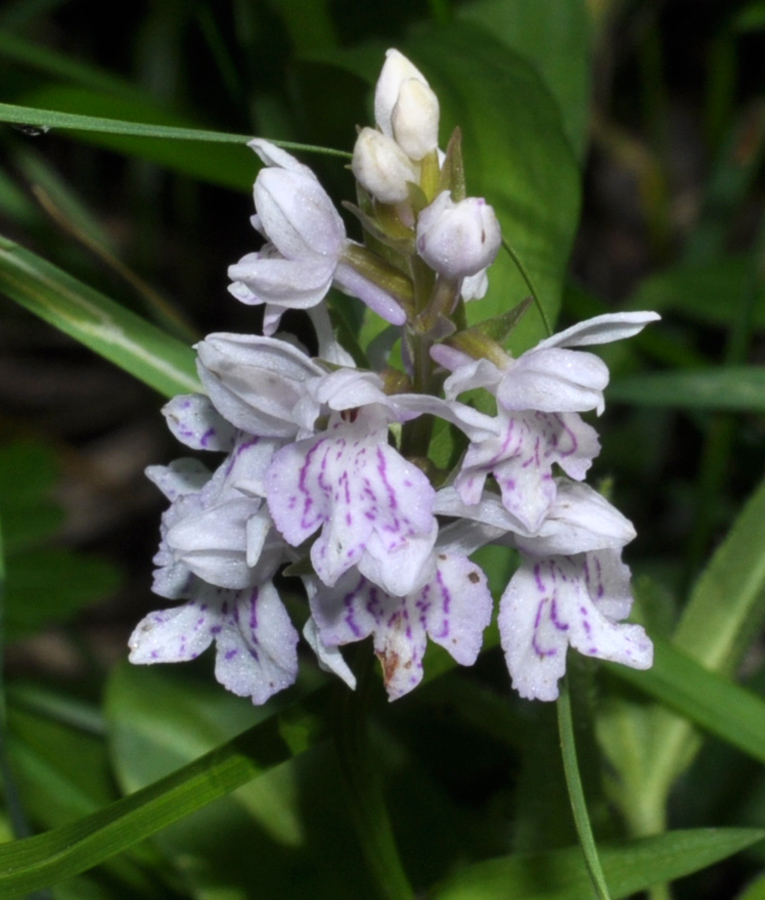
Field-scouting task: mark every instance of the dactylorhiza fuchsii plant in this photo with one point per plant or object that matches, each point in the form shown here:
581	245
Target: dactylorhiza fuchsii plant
321	466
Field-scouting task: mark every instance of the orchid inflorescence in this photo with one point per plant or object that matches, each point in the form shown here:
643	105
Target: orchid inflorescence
327	474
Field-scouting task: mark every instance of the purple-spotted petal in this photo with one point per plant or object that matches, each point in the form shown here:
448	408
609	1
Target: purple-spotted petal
556	601
174	635
521	458
372	505
453	608
457	606
195	422
256	645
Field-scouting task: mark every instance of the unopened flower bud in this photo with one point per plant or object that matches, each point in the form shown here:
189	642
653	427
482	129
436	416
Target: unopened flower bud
458	239
382	167
415	119
396	70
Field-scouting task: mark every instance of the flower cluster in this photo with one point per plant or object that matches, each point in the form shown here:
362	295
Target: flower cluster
325	466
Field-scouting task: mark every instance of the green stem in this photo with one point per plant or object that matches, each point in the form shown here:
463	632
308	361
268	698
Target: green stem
576	793
529	284
363	781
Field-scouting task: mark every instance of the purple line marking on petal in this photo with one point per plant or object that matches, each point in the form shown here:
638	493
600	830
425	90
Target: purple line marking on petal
561	626
204	440
538	578
230	654
216	629
382	469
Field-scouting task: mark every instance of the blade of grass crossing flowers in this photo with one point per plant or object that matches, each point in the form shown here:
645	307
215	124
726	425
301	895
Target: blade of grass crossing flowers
576	793
47	118
48	858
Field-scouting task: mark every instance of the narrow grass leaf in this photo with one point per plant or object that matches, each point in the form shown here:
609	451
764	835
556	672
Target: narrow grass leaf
719	706
629	867
576	794
117	334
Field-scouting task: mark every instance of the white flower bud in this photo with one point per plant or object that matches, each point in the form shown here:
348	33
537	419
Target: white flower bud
382	167
395	71
458	239
415	119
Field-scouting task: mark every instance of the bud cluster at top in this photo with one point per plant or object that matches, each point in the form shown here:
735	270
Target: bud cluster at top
325	467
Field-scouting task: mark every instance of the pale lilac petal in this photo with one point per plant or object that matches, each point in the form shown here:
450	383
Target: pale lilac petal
183	476
490	511
453	607
476	373
601	330
352	282
213	543
474	287
534	637
580	520
257	645
289	284
554	380
195	422
258	383
275	156
297	214
330	658
398	567
521	458
173	635
355	608
172	580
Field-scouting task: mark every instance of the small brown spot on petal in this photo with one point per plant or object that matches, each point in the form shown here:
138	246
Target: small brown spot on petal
474	577
389	660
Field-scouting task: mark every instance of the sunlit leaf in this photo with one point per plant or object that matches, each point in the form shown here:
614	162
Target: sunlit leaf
629	868
115	333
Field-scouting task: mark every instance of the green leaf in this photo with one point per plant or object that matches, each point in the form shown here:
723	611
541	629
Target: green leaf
576	795
28	471
44	859
50	585
629	867
554	35
721	707
731	388
756	890
115	333
705	292
270	832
